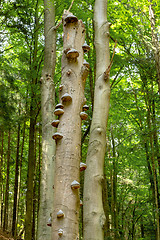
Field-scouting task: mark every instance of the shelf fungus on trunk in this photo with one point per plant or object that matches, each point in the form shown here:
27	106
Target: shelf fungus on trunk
71	18
49	223
86	64
66	97
58	111
59	105
55	123
75	185
81	203
72	54
83	115
83	166
60	232
60	214
57	136
86	47
85	107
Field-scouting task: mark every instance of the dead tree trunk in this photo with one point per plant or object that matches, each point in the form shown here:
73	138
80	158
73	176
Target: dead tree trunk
65	217
94	217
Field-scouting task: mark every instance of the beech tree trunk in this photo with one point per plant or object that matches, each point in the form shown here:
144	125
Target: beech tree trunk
68	148
47	110
94	217
155	42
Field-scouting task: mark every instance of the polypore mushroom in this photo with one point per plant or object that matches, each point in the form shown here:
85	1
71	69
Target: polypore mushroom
86	64
66	97
83	115
72	54
58	111
75	185
57	136
60	232
86	47
59	105
55	123
81	203
71	18
49	223
85	107
60	87
83	166
60	214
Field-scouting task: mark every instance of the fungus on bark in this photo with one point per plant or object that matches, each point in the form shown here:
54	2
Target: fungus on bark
71	18
75	185
86	64
86	47
60	87
60	232
58	111
83	166
60	214
72	54
55	123
83	115
66	97
59	105
81	203
49	223
85	107
57	136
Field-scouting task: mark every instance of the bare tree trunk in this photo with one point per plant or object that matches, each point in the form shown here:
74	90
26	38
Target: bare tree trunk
94	217
1	177
14	220
155	43
5	222
47	109
65	217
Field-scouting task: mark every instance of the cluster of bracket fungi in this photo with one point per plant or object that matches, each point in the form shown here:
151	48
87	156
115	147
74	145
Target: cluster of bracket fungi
72	55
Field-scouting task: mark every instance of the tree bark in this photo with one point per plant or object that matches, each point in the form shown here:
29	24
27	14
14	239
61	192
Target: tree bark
155	42
93	205
47	110
1	177
14	219
5	222
68	149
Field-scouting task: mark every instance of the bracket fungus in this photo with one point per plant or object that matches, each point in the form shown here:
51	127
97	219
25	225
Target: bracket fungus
55	123
72	54
66	97
83	115
60	214
49	223
59	105
71	18
81	203
86	64
85	107
57	136
86	47
60	232
58	111
75	185
83	166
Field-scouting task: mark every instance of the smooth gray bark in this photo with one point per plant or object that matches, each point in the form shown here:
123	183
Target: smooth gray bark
47	110
94	217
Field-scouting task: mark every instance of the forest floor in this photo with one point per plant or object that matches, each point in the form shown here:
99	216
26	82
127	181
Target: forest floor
5	235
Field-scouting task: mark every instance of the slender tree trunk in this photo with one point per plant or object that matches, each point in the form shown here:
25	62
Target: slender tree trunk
155	42
14	219
47	108
1	178
68	148
93	205
5	222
